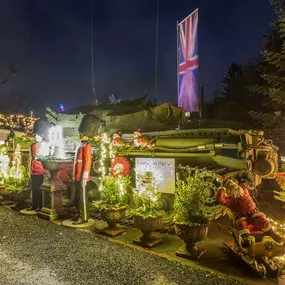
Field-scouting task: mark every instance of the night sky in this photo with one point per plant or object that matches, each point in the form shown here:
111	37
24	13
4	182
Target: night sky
50	42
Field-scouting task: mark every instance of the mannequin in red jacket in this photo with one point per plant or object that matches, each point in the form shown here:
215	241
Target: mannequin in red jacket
82	165
248	219
36	172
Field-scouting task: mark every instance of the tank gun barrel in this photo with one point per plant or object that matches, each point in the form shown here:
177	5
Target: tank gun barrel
51	115
204	147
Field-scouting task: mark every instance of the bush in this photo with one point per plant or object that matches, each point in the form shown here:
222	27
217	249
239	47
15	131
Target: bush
15	184
190	197
146	196
114	193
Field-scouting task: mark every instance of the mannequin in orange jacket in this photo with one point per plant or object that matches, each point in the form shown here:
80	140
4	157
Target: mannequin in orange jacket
82	165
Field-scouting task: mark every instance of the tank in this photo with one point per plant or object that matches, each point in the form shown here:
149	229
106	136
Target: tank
122	117
192	142
224	149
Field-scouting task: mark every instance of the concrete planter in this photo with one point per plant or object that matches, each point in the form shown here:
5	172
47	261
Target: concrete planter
148	226
112	217
191	236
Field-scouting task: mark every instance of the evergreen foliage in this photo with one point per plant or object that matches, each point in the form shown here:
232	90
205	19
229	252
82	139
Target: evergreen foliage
114	192
272	69
146	196
191	196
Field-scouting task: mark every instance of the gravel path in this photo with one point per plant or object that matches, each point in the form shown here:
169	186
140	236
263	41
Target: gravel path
38	252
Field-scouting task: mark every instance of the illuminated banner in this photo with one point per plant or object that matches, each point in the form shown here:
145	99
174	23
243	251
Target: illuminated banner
188	63
162	168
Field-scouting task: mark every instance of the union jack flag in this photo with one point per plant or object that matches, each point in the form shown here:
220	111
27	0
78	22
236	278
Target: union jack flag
188	63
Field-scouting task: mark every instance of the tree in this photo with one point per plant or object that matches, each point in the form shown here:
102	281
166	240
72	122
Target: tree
233	87
237	100
272	68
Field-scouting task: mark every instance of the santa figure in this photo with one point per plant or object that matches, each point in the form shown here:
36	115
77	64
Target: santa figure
140	141
248	219
118	141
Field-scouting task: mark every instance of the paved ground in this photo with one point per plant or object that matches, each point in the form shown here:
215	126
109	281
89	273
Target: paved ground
38	252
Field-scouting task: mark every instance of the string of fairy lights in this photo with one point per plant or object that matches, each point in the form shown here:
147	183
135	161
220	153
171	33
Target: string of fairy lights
106	153
15	170
106	157
18	121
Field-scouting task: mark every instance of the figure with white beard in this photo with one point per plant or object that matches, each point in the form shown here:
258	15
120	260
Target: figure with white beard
248	219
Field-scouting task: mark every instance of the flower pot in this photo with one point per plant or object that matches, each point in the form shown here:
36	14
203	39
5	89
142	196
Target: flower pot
148	226
112	217
19	198
53	190
191	234
4	193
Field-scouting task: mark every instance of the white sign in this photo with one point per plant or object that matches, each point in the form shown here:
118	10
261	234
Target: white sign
162	168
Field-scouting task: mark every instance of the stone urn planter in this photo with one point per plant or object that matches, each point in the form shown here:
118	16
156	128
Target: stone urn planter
4	193
191	236
54	189
112	217
147	226
20	198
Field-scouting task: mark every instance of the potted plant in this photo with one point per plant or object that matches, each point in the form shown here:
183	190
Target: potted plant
147	214
16	180
113	202
17	185
195	207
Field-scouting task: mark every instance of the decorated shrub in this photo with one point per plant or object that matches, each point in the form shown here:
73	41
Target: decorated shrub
17	183
146	196
114	192
16	179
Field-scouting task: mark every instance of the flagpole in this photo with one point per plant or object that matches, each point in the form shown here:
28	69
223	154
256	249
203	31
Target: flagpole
92	51
177	60
156	52
188	16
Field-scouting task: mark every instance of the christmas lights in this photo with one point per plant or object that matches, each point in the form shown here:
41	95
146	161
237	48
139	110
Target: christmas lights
16	170
17	178
4	164
146	195
106	154
20	122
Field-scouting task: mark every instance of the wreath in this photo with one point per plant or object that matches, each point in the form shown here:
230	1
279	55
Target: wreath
120	166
